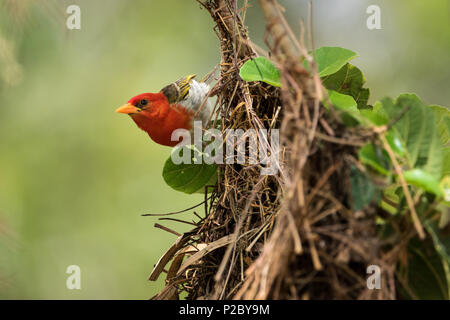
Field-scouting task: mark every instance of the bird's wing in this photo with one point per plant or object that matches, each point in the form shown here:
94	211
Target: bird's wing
190	94
179	90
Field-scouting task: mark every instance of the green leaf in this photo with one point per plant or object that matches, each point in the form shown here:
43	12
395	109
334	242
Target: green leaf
189	178
378	160
426	277
350	117
390	195
395	143
445	188
418	132
260	69
442	115
342	101
446	162
349	80
442	246
424	180
210	183
363	190
330	59
377	115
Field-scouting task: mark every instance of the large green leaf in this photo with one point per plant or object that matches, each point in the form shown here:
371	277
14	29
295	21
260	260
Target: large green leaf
330	59
424	180
260	69
418	132
189	178
442	115
349	80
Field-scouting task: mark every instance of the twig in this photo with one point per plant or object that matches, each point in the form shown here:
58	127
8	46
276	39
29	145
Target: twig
178	220
408	197
172	213
157	225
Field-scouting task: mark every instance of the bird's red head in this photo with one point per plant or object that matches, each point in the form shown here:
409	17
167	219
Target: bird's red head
153	114
147	103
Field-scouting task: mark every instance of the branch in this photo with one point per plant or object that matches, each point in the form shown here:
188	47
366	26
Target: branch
277	30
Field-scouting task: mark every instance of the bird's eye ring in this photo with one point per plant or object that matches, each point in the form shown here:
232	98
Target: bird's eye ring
143	102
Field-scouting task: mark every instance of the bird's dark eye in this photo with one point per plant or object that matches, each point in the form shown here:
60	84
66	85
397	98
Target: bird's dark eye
143	102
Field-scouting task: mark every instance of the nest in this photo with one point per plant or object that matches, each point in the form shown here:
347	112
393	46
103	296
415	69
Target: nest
291	235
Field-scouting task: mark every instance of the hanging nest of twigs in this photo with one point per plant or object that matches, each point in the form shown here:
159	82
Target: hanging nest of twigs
292	235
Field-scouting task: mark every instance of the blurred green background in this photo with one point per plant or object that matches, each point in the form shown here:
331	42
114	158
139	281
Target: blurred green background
75	176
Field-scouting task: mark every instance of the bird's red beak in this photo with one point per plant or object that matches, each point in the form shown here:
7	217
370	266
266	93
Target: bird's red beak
127	109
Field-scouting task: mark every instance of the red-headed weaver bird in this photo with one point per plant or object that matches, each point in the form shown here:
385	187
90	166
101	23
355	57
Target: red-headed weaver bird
176	106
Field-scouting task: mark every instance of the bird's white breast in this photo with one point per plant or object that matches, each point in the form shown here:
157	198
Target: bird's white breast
197	93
